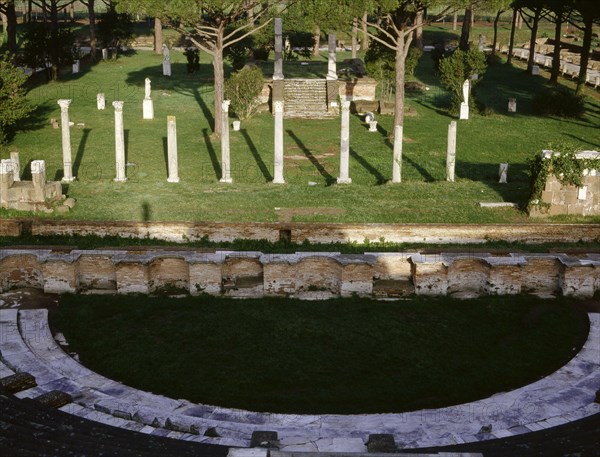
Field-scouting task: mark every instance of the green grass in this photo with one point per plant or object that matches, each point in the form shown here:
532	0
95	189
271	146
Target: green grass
337	356
311	153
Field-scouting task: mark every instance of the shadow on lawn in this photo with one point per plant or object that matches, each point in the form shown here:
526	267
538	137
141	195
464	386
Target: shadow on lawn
259	161
329	179
198	85
379	178
211	152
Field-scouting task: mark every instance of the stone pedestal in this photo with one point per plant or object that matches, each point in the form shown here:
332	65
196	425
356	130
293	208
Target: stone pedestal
464	111
100	101
16	162
225	156
373	126
480	44
535	70
166	61
397	157
503	173
237	125
278	155
119	142
76	65
172	149
451	152
6	179
148	109
38	177
344	177
66	141
512	105
331	63
278	69
104	54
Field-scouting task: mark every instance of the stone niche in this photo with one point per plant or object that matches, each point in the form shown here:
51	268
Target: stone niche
569	199
35	195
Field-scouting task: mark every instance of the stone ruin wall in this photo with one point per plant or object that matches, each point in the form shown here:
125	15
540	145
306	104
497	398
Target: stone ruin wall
300	275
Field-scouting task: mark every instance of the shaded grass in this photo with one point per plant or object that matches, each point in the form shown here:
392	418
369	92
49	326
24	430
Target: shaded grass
337	356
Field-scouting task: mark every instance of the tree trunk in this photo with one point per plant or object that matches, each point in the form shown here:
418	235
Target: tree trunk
472	17
92	20
316	41
365	34
455	21
24	12
419	30
354	37
495	40
4	23
534	29
53	31
511	43
158	36
29	8
585	53
466	30
72	11
11	27
556	52
219	82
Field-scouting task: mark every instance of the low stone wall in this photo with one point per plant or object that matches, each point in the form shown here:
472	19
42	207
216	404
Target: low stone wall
300	275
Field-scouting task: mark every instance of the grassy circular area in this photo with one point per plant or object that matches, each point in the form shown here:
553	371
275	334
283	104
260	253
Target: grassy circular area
339	356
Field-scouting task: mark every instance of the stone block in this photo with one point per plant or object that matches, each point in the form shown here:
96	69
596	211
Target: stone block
132	278
279	279
205	278
97	273
430	278
54	399
264	439
169	276
504	280
60	277
319	274
21	271
577	281
468	275
17	382
392	266
381	442
540	275
357	279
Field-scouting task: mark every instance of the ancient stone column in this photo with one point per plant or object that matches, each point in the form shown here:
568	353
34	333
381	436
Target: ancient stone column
344	177
38	177
148	105
6	179
278	70
119	142
331	64
464	106
503	173
172	149
278	170
397	158
66	141
512	105
225	156
166	61
16	161
451	153
76	66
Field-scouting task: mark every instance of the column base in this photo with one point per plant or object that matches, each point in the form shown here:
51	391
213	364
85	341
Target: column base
120	180
344	180
464	111
278	181
278	77
67	180
173	180
226	180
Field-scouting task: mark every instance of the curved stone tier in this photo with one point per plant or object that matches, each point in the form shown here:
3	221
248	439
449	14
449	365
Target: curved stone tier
27	345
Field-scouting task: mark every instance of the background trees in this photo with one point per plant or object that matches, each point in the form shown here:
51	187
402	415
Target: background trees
13	105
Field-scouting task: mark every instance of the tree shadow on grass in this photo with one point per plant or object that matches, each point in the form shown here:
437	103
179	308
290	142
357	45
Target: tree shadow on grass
80	151
166	154
197	85
259	161
583	140
428	177
329	180
211	152
379	179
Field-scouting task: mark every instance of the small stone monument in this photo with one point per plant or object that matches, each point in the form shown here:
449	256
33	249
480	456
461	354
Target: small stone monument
512	105
480	45
535	70
166	61
119	142
66	141
100	101
369	117
464	106
16	161
503	173
104	54
344	177
451	152
148	105
373	126
236	126
172	149
278	108
76	67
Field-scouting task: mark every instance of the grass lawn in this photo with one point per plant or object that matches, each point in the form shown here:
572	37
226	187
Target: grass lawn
337	356
311	152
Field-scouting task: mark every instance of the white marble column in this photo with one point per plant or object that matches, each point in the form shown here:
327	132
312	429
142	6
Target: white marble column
147	105
16	161
278	170
172	149
66	141
331	64
397	158
225	155
38	177
278	70
119	142
451	152
100	101
344	177
464	106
